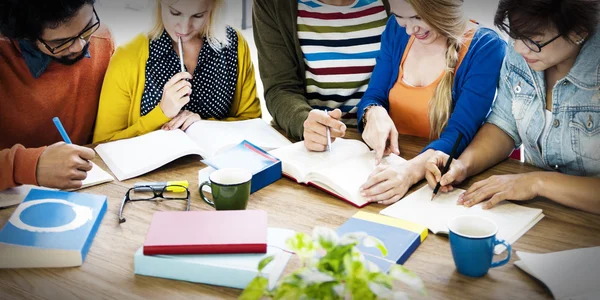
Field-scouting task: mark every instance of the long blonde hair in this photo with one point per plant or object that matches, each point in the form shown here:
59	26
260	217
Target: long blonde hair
214	29
447	18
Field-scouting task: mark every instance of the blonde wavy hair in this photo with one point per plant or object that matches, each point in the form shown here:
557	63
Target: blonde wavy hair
447	18
214	29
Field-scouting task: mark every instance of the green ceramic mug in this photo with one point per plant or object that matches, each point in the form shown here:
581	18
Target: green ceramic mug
230	188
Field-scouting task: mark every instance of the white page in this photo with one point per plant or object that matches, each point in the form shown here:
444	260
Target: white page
96	176
345	178
513	220
16	195
216	136
297	157
572	274
135	156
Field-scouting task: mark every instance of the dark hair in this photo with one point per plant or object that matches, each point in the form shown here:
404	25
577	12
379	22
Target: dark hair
532	17
27	19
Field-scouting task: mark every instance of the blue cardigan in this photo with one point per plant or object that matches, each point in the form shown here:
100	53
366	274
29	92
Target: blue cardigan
473	91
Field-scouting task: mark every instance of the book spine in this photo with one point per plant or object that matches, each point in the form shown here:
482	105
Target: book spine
205	249
266	177
94	230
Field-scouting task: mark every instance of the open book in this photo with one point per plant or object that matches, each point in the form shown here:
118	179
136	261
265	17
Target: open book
135	156
571	274
340	172
512	220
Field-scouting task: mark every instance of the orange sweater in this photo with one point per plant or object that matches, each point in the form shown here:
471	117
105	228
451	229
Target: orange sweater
27	105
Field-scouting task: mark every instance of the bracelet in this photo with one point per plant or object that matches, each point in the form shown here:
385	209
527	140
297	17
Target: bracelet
364	119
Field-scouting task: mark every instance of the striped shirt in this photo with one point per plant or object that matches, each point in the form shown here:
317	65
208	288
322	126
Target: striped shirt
340	45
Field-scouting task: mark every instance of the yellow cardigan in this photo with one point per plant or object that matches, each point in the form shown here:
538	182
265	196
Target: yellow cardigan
119	109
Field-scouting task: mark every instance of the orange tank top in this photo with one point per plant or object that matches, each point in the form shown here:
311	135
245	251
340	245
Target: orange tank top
409	105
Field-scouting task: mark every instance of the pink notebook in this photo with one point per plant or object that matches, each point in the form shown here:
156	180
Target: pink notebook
207	232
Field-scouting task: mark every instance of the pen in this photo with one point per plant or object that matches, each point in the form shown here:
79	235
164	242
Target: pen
180	54
61	130
328	136
447	166
149	186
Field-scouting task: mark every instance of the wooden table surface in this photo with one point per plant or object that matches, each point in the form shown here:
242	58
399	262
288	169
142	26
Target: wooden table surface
108	269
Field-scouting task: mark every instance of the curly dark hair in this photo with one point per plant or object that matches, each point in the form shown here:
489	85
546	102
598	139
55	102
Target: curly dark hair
532	17
27	19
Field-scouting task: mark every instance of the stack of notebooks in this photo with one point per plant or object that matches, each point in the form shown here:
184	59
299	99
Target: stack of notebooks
212	247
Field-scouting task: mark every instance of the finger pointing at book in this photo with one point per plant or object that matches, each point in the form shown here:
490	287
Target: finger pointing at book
176	94
315	128
380	133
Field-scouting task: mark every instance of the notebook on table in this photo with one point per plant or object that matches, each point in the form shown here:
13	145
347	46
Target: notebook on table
51	229
401	238
136	156
340	172
513	220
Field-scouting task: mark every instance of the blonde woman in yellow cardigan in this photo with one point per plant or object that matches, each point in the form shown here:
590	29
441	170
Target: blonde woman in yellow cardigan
145	90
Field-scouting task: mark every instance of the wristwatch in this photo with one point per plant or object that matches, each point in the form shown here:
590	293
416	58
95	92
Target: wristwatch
364	119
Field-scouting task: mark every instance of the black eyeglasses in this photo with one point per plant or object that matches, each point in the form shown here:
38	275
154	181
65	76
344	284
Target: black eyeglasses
85	35
149	193
533	46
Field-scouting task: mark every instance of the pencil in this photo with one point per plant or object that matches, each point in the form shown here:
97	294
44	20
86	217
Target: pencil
447	166
328	136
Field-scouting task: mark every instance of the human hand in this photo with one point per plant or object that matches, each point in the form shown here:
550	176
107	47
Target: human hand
388	183
456	174
176	94
183	120
518	187
315	128
380	133
64	166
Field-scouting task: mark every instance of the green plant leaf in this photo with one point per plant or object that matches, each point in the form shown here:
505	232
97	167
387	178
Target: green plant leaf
315	277
255	289
407	277
380	290
264	262
326	237
371	241
288	291
352	238
301	244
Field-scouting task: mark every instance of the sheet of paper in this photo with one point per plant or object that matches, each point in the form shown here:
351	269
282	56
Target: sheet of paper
14	196
513	220
216	136
96	176
133	157
304	161
571	274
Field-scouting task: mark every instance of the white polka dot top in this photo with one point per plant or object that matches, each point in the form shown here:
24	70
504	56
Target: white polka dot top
213	82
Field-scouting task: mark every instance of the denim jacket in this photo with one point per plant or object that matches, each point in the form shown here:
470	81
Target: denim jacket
572	144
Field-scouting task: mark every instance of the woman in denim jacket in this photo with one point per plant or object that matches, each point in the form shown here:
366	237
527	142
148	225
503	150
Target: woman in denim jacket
548	102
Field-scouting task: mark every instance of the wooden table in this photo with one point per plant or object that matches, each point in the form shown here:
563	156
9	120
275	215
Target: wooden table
108	269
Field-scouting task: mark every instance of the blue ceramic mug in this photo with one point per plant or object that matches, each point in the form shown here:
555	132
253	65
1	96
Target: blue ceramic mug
472	240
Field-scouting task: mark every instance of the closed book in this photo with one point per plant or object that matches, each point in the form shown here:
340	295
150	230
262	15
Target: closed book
207	232
231	270
51	229
401	238
265	168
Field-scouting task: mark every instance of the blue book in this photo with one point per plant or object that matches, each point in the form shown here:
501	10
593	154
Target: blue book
231	270
401	238
51	229
265	167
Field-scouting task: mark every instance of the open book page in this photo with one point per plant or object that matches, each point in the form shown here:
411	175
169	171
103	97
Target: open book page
571	274
346	177
298	161
96	176
135	156
513	220
215	136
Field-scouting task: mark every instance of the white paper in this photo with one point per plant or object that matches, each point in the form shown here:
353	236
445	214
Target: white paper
572	274
16	195
513	220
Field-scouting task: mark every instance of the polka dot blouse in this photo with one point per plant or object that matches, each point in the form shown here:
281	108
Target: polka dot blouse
213	82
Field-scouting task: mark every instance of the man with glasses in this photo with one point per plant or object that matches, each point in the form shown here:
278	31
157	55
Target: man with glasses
53	57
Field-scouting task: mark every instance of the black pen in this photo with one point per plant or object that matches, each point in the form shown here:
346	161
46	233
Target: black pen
447	166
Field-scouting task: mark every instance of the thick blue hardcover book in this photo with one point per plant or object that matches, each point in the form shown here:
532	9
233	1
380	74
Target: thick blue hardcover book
401	238
51	229
265	167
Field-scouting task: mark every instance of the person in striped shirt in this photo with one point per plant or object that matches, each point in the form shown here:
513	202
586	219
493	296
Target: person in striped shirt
436	78
316	56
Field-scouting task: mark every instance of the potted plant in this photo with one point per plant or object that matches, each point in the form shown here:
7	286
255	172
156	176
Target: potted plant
333	268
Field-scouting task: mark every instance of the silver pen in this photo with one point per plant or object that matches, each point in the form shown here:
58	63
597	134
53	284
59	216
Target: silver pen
328	135
180	46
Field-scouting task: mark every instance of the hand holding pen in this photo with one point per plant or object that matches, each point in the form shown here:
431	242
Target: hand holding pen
321	128
434	176
63	165
177	91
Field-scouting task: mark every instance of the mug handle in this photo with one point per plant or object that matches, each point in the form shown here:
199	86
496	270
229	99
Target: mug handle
206	183
508	248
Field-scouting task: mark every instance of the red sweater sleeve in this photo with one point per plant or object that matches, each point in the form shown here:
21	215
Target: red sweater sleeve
18	166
